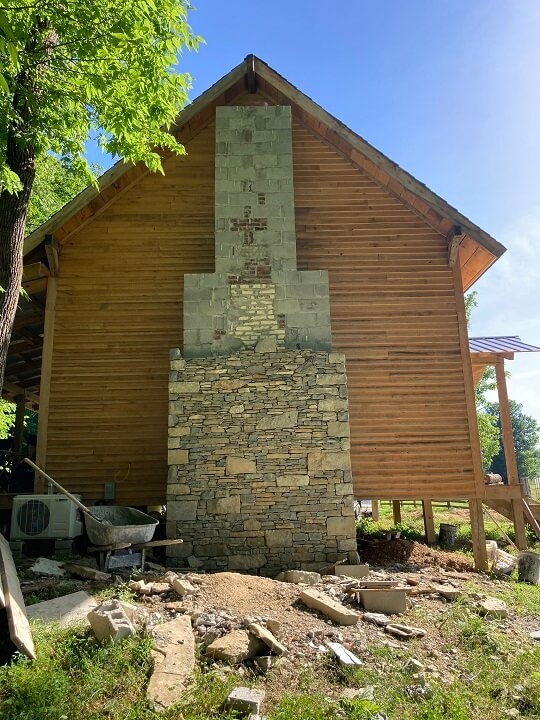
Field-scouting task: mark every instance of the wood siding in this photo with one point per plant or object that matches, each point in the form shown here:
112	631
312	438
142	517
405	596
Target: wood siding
119	310
394	315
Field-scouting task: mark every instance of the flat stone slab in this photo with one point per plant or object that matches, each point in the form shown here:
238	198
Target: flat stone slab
268	639
352	571
449	592
174	661
236	646
332	609
492	607
65	610
535	634
391	601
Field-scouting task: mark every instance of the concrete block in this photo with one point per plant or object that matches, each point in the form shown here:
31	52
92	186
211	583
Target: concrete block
390	601
245	700
109	621
353	571
332	609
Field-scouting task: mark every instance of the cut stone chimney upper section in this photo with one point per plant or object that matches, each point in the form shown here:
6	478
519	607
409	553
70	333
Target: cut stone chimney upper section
256	291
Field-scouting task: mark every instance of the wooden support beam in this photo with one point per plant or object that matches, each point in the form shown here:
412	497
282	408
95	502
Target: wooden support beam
506	426
455	237
14	389
34	271
510	455
396	506
476	513
18	430
45	388
51	249
518	519
375	510
429	522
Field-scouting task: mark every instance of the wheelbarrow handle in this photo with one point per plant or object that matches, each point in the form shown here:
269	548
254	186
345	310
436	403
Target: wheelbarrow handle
77	502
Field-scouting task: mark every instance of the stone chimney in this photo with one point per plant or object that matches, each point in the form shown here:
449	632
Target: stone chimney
259	464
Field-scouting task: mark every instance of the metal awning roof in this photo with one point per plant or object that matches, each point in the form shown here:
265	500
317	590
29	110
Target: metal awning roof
500	344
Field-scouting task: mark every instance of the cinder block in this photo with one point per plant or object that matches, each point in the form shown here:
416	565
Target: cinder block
385	601
109	621
245	700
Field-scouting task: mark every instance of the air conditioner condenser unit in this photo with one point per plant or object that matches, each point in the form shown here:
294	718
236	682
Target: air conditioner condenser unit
45	516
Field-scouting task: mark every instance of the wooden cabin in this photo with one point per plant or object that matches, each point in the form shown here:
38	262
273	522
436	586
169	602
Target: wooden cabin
105	280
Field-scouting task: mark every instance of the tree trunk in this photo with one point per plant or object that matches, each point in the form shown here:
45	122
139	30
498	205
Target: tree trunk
13	211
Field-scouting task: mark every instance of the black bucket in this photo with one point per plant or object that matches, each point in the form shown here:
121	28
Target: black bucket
447	535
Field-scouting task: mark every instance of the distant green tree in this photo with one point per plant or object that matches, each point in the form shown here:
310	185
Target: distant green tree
526	432
7	418
488	429
56	183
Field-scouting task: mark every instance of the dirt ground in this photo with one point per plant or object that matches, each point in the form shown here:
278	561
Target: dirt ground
225	601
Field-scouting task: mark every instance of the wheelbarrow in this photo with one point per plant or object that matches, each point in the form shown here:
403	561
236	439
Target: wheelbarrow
115	531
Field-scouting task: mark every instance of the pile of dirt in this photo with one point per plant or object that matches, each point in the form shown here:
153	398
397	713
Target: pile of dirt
253	596
407	552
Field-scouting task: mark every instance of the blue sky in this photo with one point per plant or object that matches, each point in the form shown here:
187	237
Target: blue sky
449	89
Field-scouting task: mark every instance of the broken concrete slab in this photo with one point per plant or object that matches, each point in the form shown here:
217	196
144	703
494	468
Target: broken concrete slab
109	621
48	567
268	639
332	609
390	601
236	646
492	607
174	661
65	610
345	656
245	700
86	572
352	571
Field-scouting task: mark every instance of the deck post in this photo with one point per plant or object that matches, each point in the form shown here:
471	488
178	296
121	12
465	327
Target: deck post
375	510
510	454
18	432
429	522
44	394
476	513
396	507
